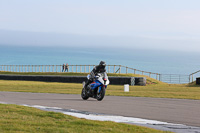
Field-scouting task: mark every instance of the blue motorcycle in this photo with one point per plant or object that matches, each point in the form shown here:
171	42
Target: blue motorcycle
97	88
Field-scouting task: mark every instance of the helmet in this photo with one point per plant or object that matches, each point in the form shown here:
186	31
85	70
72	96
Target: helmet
102	64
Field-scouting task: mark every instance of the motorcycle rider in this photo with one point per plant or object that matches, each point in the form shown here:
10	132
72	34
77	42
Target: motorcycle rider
97	69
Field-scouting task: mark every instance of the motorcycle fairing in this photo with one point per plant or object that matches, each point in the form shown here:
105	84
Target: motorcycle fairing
95	84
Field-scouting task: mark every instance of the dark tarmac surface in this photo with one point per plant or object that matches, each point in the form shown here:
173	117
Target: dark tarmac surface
178	111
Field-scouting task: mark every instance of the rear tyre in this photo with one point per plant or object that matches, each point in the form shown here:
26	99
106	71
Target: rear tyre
101	94
84	94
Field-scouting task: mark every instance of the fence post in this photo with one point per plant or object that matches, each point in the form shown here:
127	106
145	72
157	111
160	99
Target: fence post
160	77
192	78
109	69
189	78
39	67
149	74
25	68
76	68
80	69
134	71
114	69
126	70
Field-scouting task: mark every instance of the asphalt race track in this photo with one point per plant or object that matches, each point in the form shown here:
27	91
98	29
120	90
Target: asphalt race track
179	111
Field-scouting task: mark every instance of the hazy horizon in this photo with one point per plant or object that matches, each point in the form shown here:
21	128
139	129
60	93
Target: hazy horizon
48	39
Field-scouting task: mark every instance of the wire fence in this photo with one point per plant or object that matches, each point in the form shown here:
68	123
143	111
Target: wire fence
194	75
75	68
174	78
168	78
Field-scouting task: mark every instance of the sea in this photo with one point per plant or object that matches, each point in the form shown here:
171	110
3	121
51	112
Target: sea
157	61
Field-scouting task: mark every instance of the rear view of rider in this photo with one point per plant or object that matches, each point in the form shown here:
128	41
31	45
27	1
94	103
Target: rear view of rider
97	69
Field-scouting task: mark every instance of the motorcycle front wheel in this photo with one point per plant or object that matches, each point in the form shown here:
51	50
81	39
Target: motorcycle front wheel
84	94
101	94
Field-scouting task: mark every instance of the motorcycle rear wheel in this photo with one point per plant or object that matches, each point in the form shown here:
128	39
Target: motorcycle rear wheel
101	94
84	94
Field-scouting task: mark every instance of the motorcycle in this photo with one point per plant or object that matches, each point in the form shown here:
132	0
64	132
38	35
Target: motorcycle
97	88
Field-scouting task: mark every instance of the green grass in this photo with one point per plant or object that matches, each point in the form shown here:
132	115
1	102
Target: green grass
157	90
20	119
154	87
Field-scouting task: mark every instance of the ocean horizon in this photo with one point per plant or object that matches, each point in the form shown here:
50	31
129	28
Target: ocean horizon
163	62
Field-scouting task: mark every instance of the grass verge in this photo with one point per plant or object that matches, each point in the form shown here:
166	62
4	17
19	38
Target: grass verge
159	90
14	118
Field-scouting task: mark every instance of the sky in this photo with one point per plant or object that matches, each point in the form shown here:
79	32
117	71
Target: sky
145	24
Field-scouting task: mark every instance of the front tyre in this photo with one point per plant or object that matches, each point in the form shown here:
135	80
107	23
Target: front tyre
84	94
101	94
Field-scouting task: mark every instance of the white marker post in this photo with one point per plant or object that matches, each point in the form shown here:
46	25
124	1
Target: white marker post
126	88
